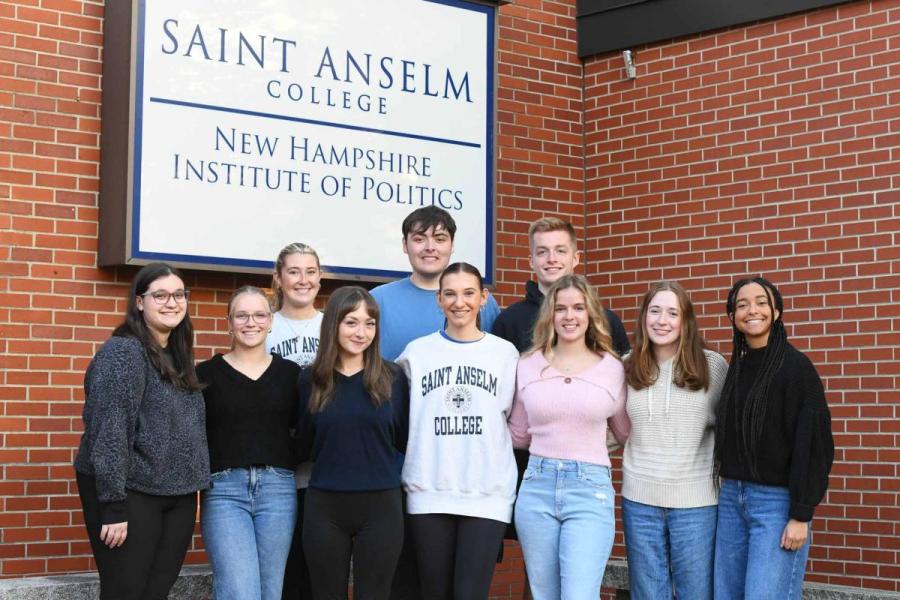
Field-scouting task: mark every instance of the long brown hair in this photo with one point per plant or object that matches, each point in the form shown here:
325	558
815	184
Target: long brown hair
176	362
690	367
377	374
596	337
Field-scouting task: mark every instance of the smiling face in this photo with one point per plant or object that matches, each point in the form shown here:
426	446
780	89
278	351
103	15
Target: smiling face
570	316
429	251
299	280
754	314
663	322
461	298
355	334
161	319
249	320
553	255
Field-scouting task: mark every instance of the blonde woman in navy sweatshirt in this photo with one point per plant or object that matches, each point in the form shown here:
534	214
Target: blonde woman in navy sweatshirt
354	420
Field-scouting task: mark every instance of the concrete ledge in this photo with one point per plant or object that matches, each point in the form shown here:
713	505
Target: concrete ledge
616	577
195	583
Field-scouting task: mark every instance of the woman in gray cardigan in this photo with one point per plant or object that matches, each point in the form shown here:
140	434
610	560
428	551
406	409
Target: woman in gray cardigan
143	454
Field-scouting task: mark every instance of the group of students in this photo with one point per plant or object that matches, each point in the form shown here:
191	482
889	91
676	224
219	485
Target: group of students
384	429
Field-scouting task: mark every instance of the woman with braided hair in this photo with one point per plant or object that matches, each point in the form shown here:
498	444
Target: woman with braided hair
774	451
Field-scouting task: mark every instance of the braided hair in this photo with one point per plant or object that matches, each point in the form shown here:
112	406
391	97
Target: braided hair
749	418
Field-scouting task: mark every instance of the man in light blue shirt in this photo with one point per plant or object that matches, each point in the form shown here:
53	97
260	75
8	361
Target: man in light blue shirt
408	306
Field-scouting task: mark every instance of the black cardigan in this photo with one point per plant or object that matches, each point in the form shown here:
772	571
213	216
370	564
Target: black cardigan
796	449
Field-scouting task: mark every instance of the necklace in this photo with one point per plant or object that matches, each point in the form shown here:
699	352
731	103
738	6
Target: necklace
290	324
576	363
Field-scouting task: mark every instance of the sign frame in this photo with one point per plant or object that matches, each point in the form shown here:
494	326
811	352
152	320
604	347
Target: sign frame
122	123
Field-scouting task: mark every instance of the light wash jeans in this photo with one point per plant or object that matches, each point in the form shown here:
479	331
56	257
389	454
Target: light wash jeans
750	562
669	548
247	518
566	523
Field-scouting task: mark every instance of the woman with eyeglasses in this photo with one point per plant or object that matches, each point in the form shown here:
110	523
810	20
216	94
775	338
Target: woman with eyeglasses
248	514
143	454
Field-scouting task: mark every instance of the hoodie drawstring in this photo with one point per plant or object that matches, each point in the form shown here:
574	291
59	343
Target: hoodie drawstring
669	379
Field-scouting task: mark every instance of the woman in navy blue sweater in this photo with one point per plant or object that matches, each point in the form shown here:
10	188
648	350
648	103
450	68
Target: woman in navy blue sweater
354	414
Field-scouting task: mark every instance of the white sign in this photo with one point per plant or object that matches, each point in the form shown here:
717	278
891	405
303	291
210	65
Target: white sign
263	123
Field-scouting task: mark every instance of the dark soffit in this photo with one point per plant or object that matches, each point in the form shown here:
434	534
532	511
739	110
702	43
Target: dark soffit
605	25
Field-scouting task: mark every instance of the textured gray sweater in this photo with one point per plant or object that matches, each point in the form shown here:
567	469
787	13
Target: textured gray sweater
140	432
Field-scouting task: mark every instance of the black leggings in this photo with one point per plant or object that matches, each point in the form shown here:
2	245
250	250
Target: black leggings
296	573
368	525
406	577
146	566
456	555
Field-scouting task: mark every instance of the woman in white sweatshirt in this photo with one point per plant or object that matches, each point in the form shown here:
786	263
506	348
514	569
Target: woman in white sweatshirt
459	473
669	491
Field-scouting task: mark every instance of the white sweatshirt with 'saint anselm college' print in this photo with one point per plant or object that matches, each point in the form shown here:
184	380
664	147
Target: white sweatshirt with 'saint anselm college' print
459	457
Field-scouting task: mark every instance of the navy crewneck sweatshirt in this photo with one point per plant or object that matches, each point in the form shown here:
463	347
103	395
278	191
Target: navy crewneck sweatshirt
353	444
796	450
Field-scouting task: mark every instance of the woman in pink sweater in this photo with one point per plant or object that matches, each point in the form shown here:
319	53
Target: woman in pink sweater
569	386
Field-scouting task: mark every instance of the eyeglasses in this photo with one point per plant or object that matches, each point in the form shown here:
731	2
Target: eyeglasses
259	318
162	296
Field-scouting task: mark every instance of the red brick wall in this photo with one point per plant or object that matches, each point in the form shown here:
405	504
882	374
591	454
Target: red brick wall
56	306
773	149
540	156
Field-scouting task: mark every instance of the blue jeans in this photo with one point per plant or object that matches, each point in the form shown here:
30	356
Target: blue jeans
247	518
565	520
750	562
669	548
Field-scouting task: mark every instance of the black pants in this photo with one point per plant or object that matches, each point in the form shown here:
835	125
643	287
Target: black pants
456	555
296	573
368	525
406	577
146	566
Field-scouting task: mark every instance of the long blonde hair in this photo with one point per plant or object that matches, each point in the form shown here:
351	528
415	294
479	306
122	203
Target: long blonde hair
292	248
596	337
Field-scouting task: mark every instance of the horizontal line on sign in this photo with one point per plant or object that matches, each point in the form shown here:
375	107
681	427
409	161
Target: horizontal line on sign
253	113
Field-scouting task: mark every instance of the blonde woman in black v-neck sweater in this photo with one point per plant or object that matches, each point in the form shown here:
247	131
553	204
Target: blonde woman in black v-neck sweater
248	515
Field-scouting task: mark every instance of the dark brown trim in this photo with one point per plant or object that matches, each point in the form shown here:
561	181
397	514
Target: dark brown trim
115	115
606	25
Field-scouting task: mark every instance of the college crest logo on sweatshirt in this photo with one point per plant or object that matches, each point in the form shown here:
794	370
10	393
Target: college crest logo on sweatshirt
459	457
458	397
